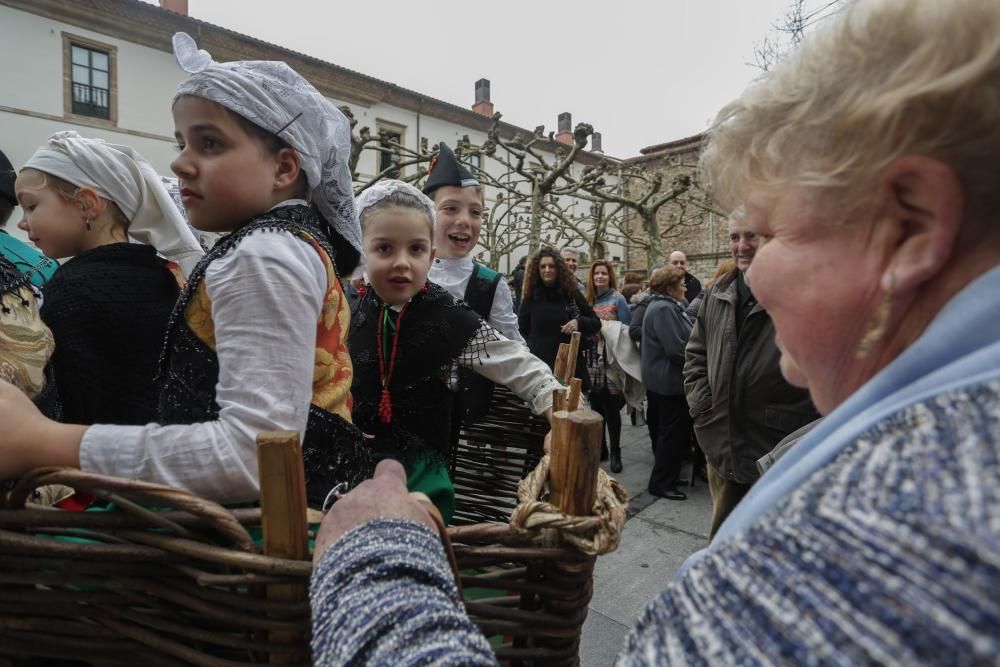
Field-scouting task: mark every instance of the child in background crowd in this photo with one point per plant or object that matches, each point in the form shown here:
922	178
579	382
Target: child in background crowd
258	339
407	337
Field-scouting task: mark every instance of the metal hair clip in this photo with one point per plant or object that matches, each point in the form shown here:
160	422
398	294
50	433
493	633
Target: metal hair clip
297	116
335	494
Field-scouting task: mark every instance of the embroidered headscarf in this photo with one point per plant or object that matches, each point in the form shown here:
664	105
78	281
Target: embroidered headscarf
273	96
379	190
119	174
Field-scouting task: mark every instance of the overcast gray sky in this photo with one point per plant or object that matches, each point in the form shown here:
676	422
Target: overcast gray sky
642	72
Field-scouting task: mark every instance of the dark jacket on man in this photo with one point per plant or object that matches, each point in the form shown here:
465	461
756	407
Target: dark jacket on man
692	287
741	404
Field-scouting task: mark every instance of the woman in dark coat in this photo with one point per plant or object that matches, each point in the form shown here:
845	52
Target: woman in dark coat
665	331
552	308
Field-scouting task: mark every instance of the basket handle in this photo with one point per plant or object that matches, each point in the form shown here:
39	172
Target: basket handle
115	488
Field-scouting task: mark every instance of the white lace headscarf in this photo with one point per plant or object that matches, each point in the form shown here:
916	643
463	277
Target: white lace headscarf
382	189
273	96
119	174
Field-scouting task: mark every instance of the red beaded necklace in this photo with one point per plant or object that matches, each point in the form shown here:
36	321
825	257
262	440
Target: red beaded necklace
385	403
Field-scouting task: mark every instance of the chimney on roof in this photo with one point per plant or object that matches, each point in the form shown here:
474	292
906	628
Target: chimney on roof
175	6
483	106
565	133
595	143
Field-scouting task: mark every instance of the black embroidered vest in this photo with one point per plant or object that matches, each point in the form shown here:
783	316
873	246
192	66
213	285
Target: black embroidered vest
433	332
477	391
333	450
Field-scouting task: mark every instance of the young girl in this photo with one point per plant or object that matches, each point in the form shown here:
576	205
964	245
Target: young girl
407	338
258	339
108	306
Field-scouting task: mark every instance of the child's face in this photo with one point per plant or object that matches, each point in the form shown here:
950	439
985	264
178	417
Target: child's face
398	250
53	224
226	176
459	220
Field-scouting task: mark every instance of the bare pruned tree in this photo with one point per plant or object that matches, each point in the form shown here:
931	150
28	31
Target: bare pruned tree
400	156
543	176
787	32
642	192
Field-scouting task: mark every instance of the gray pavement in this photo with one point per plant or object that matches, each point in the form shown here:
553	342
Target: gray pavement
659	535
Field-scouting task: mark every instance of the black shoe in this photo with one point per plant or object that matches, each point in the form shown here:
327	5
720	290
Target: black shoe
671	494
616	460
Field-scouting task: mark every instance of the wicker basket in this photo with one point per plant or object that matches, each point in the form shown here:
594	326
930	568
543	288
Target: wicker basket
187	587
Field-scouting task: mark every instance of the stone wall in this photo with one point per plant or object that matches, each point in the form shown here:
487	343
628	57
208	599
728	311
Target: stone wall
702	235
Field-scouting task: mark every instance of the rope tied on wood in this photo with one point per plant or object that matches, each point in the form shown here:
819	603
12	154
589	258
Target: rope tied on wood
593	535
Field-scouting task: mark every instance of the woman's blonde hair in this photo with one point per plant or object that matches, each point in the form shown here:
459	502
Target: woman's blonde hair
883	79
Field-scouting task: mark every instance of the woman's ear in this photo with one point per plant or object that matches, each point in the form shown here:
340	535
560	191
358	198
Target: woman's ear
923	201
287	168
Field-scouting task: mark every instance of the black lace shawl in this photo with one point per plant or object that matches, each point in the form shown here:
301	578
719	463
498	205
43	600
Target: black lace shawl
434	332
333	450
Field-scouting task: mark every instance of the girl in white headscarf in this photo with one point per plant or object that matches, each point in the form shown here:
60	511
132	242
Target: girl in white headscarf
257	341
108	306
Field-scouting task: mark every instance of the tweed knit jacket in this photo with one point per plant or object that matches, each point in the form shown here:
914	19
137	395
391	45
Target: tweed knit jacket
890	554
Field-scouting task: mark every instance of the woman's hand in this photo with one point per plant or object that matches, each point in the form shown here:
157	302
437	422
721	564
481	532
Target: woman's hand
384	496
570	327
29	440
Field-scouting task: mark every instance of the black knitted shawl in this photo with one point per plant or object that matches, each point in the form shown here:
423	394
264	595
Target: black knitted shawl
107	309
333	450
436	329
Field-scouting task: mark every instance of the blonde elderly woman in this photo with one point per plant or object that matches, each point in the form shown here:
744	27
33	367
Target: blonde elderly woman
868	163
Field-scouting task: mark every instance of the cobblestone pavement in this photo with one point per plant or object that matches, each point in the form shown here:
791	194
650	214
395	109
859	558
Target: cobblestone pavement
659	535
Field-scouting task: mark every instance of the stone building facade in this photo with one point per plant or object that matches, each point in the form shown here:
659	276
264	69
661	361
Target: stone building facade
106	69
701	234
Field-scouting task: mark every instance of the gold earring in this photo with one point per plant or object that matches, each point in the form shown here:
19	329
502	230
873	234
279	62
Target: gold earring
878	325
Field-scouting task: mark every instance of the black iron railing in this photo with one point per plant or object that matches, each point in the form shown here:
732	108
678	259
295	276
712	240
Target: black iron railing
91	101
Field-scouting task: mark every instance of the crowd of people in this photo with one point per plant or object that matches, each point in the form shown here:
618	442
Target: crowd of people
863	286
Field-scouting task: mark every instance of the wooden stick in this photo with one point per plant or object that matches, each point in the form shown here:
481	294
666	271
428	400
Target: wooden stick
283	517
576	457
574	351
558	400
559	369
573	401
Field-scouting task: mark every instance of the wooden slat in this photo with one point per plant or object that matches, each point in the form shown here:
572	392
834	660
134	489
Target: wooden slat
283	517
